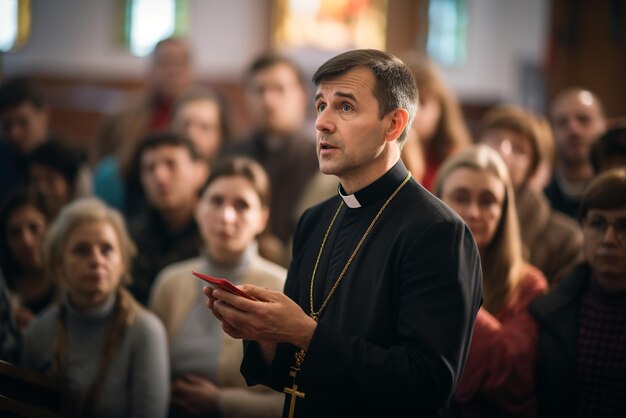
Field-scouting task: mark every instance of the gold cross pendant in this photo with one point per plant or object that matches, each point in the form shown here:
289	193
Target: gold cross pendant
293	391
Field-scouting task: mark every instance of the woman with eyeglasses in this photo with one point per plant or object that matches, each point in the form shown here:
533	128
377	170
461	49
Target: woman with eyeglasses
582	323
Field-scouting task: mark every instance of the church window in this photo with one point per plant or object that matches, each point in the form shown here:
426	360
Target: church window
149	21
447	31
14	23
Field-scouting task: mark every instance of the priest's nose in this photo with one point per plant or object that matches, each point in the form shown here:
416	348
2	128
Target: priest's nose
324	122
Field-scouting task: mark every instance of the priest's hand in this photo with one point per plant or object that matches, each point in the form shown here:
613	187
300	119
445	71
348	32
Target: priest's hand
272	318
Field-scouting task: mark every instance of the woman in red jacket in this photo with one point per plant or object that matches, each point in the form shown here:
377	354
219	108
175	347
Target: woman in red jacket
498	379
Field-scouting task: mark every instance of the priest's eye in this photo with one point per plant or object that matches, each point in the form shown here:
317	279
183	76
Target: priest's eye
321	107
346	107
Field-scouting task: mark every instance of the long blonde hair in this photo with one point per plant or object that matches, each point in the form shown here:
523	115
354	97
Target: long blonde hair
502	260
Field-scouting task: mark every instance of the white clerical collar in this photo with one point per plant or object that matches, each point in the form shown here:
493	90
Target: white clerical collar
350	200
378	190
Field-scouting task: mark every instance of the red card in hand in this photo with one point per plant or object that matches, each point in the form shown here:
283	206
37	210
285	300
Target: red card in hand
223	284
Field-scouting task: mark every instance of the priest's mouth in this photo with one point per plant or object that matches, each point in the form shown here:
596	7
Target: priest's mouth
326	146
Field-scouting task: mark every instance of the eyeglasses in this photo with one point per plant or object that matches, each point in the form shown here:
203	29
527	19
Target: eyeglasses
598	225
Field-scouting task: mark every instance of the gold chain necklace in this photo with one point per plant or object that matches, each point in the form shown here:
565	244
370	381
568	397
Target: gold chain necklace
299	355
315	315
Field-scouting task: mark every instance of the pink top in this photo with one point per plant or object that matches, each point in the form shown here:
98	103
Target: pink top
499	376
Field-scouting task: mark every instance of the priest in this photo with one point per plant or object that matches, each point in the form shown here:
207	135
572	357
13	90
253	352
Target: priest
385	282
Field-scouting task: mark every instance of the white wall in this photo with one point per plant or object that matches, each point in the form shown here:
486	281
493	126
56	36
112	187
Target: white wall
503	35
74	37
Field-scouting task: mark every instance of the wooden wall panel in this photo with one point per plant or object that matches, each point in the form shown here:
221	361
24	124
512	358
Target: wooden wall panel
588	49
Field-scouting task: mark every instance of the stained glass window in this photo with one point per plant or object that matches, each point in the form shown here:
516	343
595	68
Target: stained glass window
447	31
329	24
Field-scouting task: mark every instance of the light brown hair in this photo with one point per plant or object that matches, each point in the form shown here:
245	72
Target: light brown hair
502	260
520	121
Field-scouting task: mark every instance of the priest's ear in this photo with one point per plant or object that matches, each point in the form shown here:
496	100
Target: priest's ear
396	121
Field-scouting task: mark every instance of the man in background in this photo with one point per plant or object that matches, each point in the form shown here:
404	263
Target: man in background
24	120
24	126
172	172
276	94
169	76
578	120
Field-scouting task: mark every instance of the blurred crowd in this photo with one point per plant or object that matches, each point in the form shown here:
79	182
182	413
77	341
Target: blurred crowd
97	249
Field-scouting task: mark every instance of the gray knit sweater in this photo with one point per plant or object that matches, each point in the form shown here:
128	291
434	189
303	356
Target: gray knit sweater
137	380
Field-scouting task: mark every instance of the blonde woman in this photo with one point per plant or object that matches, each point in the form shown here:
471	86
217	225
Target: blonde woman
111	352
232	212
498	379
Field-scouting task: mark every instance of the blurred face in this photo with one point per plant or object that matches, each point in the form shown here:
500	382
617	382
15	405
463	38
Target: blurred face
230	216
171	69
605	245
478	198
516	151
427	116
577	123
277	100
52	186
350	134
25	230
170	177
92	264
25	126
200	121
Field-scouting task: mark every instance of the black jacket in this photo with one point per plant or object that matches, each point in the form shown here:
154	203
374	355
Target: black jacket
558	315
394	337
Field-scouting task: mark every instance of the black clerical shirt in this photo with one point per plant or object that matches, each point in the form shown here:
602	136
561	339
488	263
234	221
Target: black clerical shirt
393	339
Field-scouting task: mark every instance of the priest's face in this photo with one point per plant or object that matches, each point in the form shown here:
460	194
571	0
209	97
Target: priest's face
230	215
478	197
350	134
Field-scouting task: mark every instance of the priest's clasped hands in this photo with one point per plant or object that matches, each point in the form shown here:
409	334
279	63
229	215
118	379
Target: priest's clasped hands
272	318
